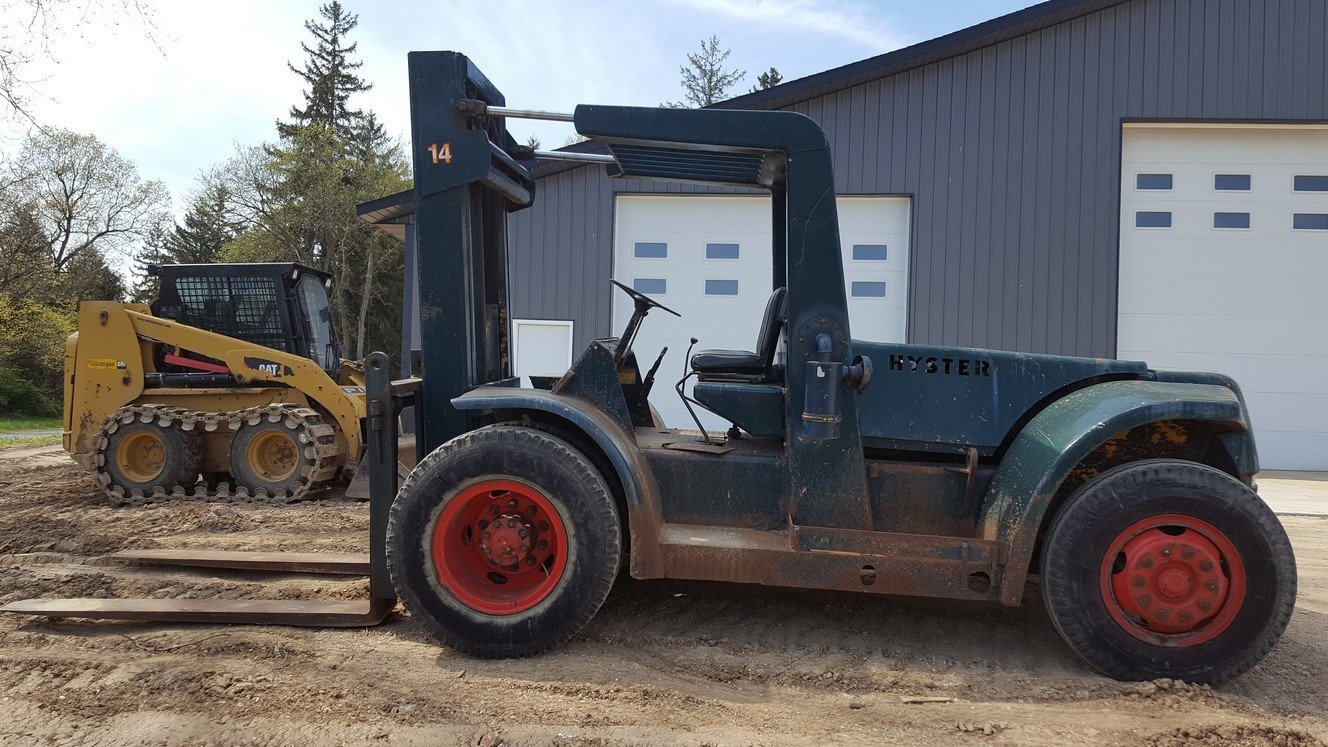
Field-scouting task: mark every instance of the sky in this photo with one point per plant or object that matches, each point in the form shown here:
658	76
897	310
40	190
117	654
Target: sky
207	77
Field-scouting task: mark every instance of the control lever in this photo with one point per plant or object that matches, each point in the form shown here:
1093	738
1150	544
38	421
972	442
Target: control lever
687	401
650	375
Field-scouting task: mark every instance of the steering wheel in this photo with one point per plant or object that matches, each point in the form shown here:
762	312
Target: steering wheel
642	299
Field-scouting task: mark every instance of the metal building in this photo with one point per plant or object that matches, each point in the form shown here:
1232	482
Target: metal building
1123	178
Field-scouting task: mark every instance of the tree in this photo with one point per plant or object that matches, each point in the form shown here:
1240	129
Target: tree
296	198
533	142
768	79
84	197
209	224
329	73
29	27
705	80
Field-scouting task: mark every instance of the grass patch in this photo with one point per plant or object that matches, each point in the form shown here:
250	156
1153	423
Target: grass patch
24	423
6	442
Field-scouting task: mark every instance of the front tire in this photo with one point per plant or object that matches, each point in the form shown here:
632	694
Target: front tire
504	542
1167	568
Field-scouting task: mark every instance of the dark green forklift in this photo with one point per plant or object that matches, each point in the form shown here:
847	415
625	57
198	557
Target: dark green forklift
851	465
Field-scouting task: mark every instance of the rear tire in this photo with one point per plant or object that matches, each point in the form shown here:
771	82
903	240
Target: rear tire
504	542
272	456
1166	568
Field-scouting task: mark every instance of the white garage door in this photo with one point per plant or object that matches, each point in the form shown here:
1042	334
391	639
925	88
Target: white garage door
1224	267
708	258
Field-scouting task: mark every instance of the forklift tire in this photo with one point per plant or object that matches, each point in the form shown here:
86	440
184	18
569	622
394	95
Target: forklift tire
504	542
147	456
1168	568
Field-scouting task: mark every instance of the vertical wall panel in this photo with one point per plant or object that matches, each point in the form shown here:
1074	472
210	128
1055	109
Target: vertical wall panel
1012	155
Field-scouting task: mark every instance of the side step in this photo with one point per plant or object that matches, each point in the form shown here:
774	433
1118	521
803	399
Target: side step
298	612
288	562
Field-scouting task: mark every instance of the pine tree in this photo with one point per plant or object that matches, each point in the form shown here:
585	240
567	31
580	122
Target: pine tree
705	80
768	79
329	73
207	227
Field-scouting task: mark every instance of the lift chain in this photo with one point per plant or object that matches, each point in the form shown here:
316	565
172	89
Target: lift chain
317	439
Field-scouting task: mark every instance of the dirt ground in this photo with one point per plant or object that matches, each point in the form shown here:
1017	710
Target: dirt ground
663	662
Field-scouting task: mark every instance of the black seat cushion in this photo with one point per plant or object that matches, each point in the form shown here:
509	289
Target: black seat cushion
729	362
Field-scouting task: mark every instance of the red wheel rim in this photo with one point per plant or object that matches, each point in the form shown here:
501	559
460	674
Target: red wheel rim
499	547
1173	580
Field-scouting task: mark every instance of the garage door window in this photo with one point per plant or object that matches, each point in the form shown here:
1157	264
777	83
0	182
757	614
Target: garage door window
1311	222
650	250
1152	181
653	286
1231	182
863	289
869	252
1152	219
1312	183
721	251
1231	220
721	287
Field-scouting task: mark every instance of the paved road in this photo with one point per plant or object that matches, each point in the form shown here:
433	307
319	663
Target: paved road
36	433
1295	492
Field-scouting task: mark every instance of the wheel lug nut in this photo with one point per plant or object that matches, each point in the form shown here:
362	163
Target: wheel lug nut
1205	605
543	526
1145	600
1211	586
493	509
488	550
530	560
542	544
1187	552
1185	616
1146	562
1205	565
1137	581
523	534
532	510
511	523
511	503
488	536
1163	613
1166	551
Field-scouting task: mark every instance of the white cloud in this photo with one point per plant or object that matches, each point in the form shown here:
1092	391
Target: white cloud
854	21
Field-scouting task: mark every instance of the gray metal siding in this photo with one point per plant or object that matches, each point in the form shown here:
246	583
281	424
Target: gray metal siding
1011	153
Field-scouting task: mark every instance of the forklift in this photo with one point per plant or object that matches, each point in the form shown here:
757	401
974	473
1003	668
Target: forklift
851	465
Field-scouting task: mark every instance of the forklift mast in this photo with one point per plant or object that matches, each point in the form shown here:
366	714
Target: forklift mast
465	185
467	179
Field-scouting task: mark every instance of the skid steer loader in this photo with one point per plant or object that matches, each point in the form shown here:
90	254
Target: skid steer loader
851	465
229	386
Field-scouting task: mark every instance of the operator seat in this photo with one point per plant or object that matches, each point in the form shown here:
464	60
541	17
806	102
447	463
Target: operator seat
743	365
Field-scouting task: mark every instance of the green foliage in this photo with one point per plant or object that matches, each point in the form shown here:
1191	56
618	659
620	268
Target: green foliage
11	423
297	197
768	79
18	396
208	225
32	341
705	80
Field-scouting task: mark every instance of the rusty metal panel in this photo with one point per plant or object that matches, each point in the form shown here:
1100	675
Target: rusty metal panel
709	553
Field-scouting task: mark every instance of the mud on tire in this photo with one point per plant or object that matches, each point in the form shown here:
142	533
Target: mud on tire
504	542
1167	568
143	455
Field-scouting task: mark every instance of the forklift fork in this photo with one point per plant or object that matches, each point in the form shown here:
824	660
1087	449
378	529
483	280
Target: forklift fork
384	402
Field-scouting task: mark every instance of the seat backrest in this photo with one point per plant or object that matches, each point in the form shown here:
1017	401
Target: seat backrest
775	312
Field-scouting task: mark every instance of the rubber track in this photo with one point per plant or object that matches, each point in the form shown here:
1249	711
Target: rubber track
318	439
